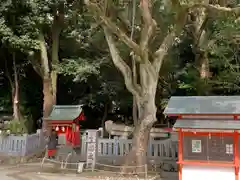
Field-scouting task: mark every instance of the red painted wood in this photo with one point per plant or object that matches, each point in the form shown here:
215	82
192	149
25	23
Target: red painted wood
236	160
208	133
207	163
180	153
81	117
56	122
219	115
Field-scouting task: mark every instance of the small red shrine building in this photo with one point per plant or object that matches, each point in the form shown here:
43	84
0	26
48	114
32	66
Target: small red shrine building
208	136
65	119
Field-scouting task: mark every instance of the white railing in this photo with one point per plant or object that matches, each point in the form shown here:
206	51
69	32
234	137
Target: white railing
163	149
117	147
21	145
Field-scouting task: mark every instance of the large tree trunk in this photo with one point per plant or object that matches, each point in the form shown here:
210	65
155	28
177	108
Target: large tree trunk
55	60
57	26
47	84
14	83
147	117
136	159
134	68
15	92
46	68
48	103
48	71
201	39
48	100
104	118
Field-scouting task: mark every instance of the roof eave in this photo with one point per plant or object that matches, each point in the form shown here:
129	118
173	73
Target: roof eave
198	114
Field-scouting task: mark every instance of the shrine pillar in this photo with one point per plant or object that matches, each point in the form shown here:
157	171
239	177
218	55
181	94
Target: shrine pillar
92	148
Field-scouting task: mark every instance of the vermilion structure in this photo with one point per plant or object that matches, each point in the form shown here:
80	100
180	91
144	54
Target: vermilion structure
66	121
208	136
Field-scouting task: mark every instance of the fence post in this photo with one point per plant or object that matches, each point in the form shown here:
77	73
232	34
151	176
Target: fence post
115	149
150	149
1	144
25	145
101	132
146	171
83	143
40	138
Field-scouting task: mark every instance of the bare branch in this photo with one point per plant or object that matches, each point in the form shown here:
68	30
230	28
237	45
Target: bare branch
218	8
148	26
163	50
114	28
121	65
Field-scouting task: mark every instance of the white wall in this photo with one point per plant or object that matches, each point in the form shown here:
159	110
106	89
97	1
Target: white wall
192	172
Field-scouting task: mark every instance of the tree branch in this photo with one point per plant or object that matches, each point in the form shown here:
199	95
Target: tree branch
148	25
113	27
121	65
201	31
218	8
168	41
163	50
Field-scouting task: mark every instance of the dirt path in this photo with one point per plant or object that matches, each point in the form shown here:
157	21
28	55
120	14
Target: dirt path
33	171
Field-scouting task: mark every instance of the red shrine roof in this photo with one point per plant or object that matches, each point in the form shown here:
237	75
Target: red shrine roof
65	113
203	105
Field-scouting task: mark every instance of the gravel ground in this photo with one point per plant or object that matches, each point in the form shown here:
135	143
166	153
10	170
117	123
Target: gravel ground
32	171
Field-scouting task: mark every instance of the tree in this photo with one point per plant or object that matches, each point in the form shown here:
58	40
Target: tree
15	42
34	28
219	44
148	56
89	65
48	20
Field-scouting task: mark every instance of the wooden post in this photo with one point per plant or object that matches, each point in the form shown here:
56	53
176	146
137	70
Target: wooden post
180	152
236	160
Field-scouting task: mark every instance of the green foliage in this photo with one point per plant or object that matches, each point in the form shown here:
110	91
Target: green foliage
15	127
225	55
17	30
222	47
80	68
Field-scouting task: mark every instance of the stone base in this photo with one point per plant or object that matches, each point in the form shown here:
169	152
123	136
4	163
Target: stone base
80	167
